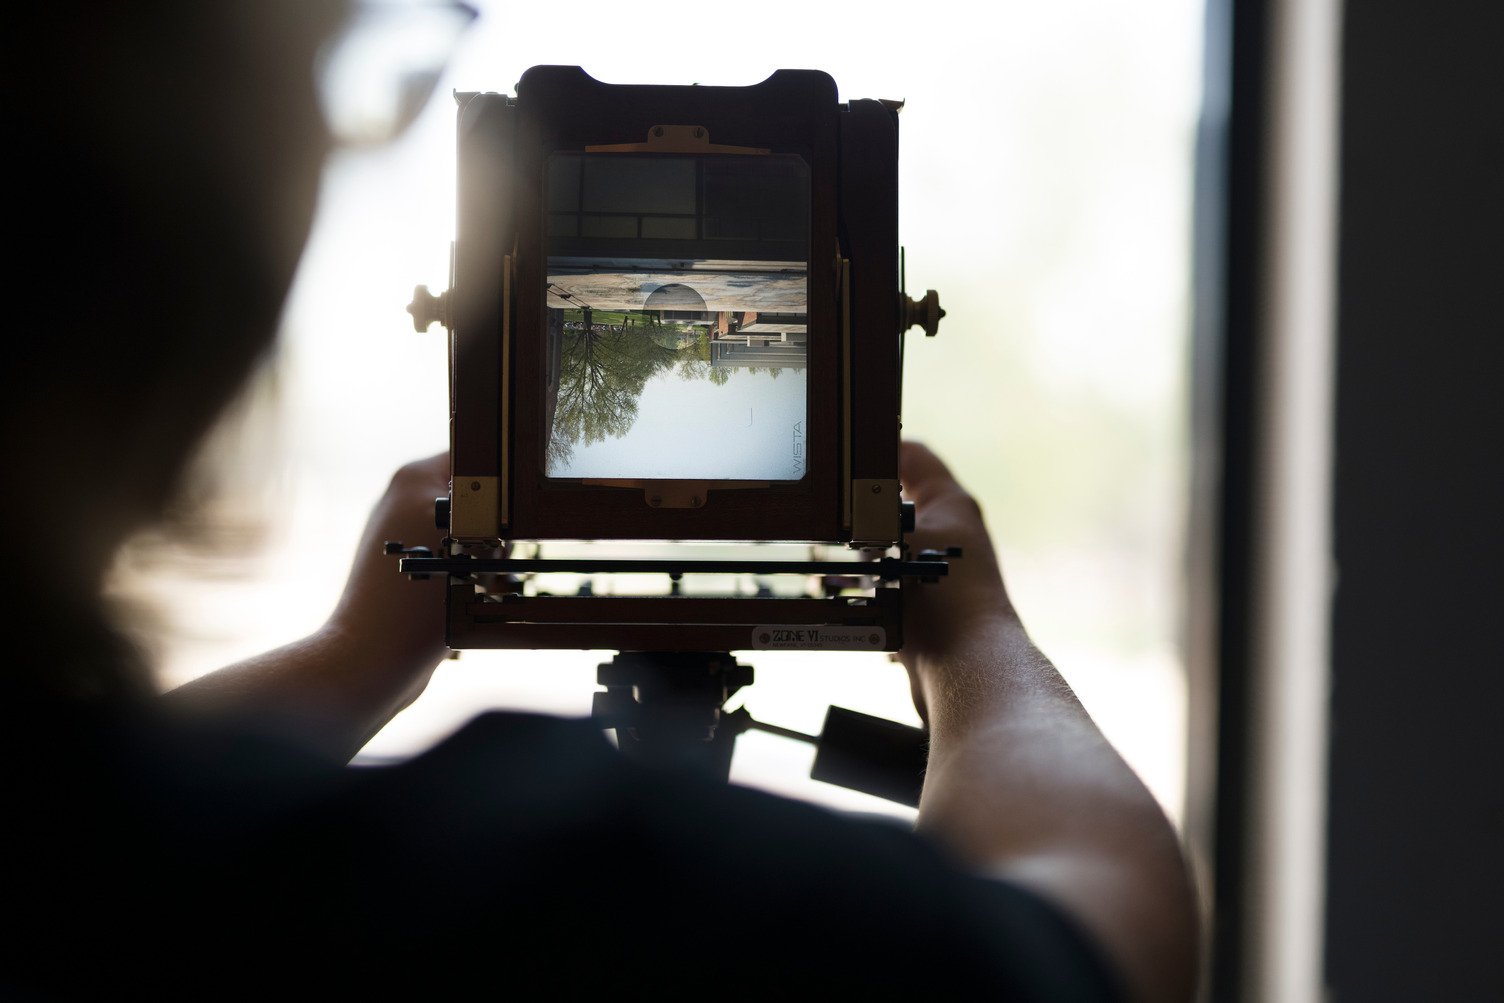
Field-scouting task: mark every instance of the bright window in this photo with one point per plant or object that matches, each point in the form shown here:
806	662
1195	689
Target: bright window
1045	168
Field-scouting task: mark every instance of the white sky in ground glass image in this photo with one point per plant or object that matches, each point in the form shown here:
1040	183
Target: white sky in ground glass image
745	429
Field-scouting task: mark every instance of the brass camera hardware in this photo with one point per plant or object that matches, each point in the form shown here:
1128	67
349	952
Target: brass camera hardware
875	512
473	507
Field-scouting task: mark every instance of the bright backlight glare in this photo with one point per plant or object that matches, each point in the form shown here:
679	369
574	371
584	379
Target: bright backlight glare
1045	184
377	74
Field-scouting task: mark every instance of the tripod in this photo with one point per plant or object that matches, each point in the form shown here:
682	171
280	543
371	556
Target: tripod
667	708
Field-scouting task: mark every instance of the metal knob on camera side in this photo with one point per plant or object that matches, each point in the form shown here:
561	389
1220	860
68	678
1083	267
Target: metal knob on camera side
428	309
925	313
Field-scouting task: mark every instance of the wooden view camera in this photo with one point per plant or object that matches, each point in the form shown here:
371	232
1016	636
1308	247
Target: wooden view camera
675	315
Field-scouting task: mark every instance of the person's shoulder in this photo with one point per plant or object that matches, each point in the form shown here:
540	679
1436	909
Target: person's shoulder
638	858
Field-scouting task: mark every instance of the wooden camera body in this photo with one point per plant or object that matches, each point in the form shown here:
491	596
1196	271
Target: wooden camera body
675	314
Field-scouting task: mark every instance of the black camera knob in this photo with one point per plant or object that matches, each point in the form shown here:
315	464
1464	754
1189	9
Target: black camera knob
441	513
428	309
925	313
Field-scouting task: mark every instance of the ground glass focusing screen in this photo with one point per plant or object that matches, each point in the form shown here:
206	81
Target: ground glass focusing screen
677	316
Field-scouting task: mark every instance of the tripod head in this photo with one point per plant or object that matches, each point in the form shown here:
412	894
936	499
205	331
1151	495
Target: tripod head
667	709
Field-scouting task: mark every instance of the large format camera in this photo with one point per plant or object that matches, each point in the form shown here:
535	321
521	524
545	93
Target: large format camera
675	314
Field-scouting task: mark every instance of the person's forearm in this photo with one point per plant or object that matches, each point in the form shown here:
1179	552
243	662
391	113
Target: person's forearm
1005	728
1021	784
340	685
330	689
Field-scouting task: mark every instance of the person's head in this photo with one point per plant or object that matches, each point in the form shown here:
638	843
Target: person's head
167	157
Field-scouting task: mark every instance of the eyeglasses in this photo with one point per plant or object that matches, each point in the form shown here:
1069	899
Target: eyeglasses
378	72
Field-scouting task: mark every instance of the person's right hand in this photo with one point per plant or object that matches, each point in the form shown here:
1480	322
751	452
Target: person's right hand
396	621
1020	784
940	618
341	684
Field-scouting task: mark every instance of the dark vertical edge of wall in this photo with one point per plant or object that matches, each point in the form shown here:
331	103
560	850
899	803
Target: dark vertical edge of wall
1228	277
1416	794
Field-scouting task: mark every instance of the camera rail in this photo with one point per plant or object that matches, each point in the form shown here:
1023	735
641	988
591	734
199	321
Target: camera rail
929	565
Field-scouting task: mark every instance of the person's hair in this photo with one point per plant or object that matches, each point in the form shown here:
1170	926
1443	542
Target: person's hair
153	149
164	160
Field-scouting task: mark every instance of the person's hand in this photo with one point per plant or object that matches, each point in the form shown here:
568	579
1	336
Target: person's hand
341	684
943	617
1020	784
395	622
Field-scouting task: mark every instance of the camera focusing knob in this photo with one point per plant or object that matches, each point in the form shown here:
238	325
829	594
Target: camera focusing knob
939	555
428	309
396	548
925	313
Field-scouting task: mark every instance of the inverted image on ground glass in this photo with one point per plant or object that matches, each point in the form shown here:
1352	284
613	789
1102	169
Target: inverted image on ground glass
677	304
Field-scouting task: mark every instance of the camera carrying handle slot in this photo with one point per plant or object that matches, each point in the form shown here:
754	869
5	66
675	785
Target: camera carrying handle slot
673	494
678	139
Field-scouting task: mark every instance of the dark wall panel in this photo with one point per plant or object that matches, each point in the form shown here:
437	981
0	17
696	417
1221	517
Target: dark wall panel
1415	899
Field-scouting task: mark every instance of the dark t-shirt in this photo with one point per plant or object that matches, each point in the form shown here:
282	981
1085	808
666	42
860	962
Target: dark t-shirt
521	855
